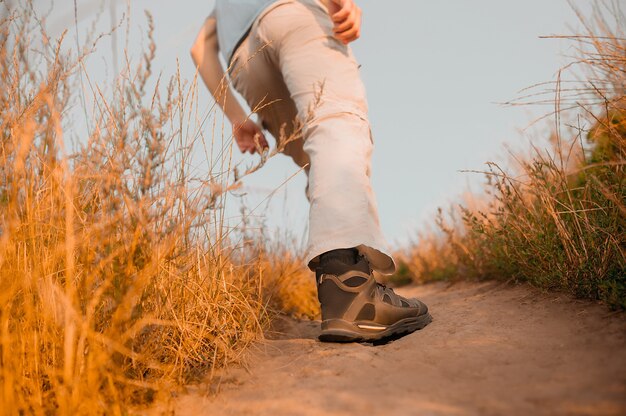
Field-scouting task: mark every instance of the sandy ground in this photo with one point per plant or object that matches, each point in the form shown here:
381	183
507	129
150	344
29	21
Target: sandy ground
492	349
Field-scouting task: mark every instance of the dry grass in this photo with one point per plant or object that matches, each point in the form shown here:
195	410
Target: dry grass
557	218
290	288
119	280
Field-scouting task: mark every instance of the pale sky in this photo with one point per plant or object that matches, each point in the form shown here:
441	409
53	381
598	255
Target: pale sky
434	72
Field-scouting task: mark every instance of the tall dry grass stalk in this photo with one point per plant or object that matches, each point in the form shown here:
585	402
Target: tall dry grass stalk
119	280
557	218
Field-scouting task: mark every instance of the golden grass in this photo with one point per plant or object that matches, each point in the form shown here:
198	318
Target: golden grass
557	218
119	279
290	287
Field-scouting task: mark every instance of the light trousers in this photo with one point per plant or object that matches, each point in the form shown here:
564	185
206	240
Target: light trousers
289	53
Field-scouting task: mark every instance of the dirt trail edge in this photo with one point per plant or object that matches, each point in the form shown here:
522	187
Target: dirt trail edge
492	349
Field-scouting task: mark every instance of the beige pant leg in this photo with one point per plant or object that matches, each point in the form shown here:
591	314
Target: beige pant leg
291	51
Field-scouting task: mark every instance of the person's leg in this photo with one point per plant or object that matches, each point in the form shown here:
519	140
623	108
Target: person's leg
337	137
291	50
260	82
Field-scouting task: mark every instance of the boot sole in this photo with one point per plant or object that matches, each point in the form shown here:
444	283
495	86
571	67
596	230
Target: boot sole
339	330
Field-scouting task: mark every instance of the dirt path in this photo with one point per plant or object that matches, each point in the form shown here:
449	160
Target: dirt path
491	350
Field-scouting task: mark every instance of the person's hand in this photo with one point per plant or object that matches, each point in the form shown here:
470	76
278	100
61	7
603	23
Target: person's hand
346	16
247	133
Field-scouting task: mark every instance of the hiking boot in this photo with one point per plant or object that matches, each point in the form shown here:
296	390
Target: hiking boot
355	308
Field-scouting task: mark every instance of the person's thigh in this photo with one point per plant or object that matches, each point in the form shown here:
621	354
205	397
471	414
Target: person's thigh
319	71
